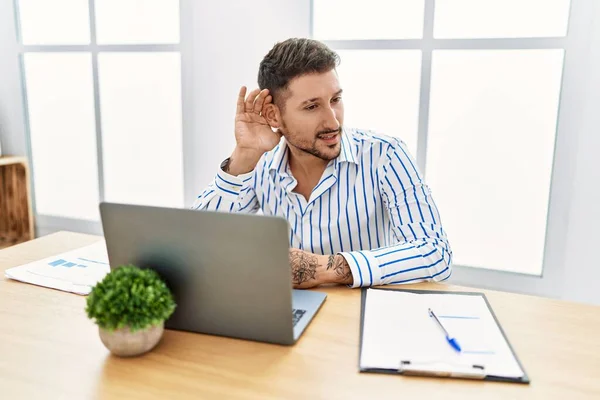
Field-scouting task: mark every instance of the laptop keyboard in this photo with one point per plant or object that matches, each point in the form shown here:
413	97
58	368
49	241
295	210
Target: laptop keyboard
297	314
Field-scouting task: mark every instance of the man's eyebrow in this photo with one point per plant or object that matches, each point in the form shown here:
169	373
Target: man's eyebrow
316	98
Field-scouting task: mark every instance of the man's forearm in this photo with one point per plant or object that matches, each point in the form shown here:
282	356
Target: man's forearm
309	270
339	271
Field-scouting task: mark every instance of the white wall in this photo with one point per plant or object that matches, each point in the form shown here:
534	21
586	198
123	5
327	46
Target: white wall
230	37
582	261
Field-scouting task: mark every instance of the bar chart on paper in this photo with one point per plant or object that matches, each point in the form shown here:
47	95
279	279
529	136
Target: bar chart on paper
75	271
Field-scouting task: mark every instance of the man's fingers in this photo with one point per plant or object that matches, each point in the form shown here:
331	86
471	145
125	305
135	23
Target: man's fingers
260	99
250	100
240	100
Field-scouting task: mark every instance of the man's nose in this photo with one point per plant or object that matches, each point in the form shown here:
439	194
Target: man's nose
331	121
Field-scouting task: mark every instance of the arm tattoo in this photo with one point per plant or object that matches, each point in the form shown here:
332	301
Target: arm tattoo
330	261
340	267
304	266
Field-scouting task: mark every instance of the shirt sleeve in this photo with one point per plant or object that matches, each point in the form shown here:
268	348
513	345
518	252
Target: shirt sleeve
422	251
229	193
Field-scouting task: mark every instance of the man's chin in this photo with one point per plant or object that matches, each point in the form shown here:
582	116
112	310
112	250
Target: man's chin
331	152
324	152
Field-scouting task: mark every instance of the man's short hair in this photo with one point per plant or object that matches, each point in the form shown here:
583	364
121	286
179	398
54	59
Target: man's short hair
290	59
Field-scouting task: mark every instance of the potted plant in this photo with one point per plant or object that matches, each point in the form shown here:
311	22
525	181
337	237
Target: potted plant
130	306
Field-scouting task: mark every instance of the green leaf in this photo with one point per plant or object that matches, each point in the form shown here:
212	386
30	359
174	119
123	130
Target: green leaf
130	296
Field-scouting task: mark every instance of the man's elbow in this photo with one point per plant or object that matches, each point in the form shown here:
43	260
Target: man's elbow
441	269
443	274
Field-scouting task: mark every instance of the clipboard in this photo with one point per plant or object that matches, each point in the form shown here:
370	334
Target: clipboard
408	368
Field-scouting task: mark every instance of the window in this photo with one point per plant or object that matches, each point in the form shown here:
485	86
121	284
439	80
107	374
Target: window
490	147
61	118
103	88
473	87
45	22
374	19
393	85
476	19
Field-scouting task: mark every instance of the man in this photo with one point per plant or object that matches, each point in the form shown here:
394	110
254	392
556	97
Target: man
359	211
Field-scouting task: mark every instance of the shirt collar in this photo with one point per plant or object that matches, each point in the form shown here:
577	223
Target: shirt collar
348	152
280	157
349	148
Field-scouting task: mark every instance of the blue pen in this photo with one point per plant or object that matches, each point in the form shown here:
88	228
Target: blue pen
451	341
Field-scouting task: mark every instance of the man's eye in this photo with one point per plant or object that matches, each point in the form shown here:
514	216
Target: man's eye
337	99
311	107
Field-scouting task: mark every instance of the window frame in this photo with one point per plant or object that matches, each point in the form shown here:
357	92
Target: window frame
49	223
576	46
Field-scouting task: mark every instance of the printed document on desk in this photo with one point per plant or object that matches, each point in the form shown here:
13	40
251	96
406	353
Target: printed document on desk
398	330
76	271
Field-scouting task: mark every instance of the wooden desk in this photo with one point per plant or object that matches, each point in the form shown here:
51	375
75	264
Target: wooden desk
49	349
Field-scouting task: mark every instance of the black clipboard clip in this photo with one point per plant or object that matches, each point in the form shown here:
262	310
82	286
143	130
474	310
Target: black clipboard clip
439	369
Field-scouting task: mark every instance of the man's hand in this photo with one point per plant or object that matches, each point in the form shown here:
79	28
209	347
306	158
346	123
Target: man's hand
310	270
253	135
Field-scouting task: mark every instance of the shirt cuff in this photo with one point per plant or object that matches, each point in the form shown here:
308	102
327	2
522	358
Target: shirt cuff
364	268
230	185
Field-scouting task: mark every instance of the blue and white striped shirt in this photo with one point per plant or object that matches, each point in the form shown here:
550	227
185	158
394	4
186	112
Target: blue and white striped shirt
371	206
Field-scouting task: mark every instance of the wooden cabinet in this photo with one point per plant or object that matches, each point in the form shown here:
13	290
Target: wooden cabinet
16	216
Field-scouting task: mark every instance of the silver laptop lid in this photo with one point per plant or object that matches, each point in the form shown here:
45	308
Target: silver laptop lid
229	273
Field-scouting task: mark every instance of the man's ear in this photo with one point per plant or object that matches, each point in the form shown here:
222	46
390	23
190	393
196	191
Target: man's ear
273	115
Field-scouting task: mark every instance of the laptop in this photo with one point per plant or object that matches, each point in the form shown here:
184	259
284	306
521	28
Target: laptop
229	273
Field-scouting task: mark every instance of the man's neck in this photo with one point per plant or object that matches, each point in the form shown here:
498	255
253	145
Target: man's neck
307	169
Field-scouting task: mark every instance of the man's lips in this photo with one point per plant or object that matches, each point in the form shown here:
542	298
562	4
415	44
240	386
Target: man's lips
329	135
330	138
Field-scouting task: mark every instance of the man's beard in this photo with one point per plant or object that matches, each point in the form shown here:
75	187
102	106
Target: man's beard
312	148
